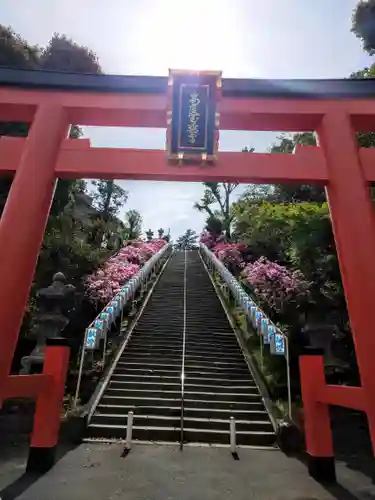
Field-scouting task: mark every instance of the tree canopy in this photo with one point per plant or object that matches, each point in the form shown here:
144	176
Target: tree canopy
187	240
363	24
216	203
83	228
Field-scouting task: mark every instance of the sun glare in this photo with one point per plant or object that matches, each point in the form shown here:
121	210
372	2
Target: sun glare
196	34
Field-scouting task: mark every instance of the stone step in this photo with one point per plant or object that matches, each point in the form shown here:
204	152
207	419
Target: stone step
201	379
248	438
115	398
157	420
139	433
220	369
148	356
161	340
212	357
131	400
140	420
175	385
141	409
147	378
116	389
177	322
190	367
174	350
213	348
213	353
211	375
173	409
149	364
144	377
172	434
225	413
214	362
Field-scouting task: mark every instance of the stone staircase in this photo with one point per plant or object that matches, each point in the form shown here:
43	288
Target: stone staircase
147	378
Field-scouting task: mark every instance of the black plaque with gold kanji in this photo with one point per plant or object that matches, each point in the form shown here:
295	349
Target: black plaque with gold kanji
193	118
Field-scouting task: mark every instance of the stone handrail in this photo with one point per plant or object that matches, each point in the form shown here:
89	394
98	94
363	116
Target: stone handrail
261	323
102	323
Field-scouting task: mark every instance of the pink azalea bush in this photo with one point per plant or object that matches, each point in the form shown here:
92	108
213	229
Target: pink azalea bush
102	285
276	285
139	252
207	239
230	255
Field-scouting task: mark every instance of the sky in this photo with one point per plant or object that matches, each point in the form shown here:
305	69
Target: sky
243	38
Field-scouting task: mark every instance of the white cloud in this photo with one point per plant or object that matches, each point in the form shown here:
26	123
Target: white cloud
166	204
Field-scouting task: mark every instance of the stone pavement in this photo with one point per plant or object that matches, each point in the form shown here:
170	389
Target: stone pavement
161	472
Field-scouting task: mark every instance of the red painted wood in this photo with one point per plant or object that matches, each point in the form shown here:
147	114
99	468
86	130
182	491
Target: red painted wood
23	222
147	110
49	402
339	395
339	164
353	222
77	159
25	385
307	166
317	424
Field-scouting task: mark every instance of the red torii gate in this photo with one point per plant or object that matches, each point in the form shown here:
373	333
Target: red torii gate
52	101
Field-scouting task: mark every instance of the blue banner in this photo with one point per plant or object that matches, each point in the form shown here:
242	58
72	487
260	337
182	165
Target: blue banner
280	344
91	338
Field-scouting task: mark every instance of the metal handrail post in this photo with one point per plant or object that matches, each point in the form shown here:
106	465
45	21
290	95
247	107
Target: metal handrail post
287	359
183	364
76	396
105	346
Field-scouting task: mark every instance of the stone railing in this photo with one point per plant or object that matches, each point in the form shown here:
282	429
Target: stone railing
268	332
98	329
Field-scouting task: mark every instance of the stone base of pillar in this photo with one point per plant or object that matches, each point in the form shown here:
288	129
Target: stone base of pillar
40	460
322	469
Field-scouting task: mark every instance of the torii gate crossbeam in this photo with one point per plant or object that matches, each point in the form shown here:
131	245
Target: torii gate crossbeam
52	101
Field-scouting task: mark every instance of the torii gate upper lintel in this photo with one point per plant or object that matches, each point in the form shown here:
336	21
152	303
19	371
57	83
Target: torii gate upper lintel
335	109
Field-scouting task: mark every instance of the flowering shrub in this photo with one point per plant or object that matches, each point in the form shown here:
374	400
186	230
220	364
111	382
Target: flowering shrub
230	255
139	252
207	239
275	285
102	285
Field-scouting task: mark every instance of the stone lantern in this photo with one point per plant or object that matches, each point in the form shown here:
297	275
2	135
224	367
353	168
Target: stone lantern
53	304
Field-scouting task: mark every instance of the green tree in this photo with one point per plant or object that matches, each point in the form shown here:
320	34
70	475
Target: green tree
15	52
365	139
218	194
216	203
63	54
214	226
299	236
65	246
108	198
133	223
257	193
187	241
363	24
290	192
